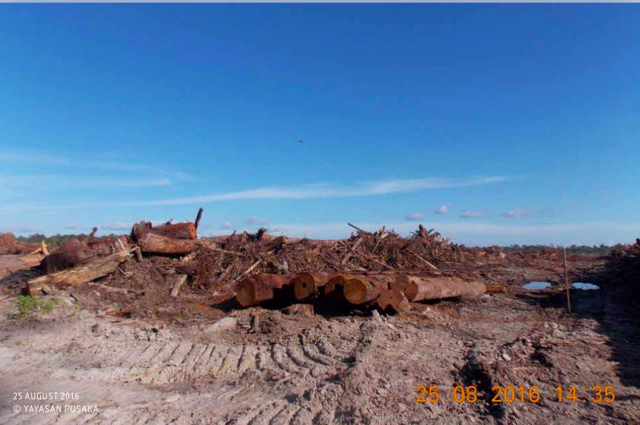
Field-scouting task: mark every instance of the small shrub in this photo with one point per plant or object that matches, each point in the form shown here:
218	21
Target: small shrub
26	304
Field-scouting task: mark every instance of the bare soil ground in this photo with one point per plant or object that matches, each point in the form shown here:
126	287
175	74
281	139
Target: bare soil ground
197	361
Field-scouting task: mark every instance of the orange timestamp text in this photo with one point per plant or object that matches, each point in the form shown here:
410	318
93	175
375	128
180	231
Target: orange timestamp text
510	394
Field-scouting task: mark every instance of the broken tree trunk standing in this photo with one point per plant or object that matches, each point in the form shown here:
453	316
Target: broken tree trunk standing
422	289
258	288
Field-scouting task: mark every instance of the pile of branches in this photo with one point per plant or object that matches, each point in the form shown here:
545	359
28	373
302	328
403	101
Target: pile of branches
221	262
623	265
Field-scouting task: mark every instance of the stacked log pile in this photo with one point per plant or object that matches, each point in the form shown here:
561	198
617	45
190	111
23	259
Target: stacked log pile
391	292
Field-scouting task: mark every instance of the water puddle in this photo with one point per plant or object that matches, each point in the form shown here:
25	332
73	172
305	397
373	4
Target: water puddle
537	285
585	286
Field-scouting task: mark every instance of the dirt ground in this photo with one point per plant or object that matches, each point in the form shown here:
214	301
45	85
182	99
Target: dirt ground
258	366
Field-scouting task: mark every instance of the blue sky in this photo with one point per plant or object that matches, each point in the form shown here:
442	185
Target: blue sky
491	123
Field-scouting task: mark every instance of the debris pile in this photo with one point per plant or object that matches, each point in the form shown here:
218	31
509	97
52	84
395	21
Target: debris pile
19	256
378	269
623	269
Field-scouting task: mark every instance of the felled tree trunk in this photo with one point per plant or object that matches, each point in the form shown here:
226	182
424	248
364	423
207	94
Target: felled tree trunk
176	231
364	289
420	288
152	243
83	273
258	288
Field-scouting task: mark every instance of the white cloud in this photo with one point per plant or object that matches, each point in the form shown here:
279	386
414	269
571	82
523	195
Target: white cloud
375	188
444	209
414	216
226	225
518	213
257	221
71	227
473	214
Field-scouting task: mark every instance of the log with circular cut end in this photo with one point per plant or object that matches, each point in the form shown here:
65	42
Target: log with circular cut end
335	285
393	300
421	289
258	288
306	285
364	289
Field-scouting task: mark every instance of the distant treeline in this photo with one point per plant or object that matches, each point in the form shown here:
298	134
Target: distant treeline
55	240
573	249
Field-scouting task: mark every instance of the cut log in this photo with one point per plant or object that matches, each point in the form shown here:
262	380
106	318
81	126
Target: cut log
258	288
306	285
393	300
83	273
364	289
176	231
152	243
421	288
334	286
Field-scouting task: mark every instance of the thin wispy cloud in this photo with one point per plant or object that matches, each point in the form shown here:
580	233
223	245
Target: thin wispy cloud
472	214
226	225
56	181
118	225
375	188
414	216
518	213
444	209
